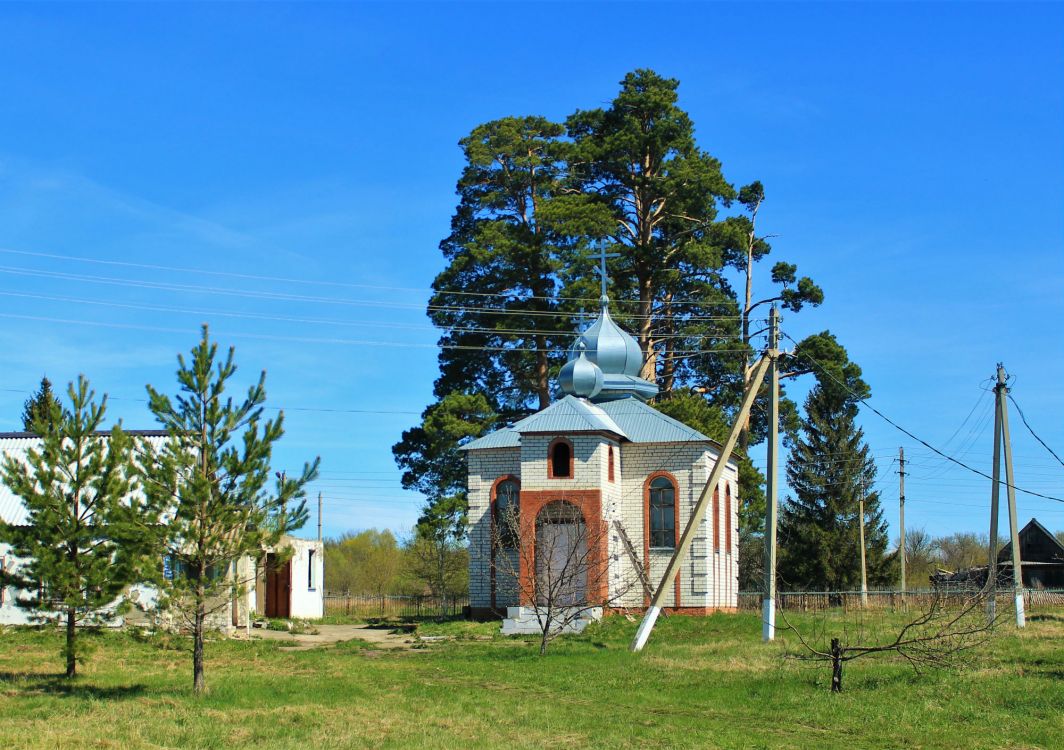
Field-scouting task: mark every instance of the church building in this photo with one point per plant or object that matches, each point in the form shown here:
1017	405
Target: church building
601	460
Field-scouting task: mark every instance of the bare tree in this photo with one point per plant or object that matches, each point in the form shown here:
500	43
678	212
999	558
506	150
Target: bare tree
952	624
557	564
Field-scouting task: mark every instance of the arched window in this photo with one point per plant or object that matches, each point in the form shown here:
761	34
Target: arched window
560	461
716	519
507	516
662	513
609	457
727	518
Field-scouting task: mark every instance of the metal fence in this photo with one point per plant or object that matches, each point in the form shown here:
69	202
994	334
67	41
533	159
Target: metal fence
816	601
394	606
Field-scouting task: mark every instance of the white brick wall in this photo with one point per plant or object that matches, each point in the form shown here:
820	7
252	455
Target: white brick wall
708	577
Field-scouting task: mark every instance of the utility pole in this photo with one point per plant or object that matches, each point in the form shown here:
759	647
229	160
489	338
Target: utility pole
319	518
995	493
864	572
901	517
698	513
768	604
1002	391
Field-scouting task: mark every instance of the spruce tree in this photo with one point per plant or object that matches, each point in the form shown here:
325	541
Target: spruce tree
87	533
212	477
830	469
43	405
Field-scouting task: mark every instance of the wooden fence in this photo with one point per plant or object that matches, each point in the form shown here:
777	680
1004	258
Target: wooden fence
816	601
393	606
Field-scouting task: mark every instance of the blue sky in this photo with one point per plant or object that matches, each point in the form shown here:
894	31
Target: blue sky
913	158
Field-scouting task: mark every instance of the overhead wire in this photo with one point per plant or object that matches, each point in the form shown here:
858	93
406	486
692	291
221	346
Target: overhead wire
923	442
313	282
1031	430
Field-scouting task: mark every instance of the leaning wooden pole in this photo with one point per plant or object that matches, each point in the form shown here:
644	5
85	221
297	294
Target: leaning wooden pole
699	512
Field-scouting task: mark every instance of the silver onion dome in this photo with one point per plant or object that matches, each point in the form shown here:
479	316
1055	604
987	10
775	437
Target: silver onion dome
580	376
610	347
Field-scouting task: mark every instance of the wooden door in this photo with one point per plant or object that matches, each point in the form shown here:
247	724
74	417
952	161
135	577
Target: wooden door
278	587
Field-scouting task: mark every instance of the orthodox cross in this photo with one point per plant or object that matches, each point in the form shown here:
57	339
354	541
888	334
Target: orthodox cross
601	270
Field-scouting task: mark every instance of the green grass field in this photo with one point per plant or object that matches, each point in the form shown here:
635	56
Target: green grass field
702	682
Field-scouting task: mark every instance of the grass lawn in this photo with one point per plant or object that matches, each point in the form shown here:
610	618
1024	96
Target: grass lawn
702	682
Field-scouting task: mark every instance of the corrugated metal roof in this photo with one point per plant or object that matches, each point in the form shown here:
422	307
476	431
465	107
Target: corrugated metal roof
504	438
15	444
645	424
628	418
571	414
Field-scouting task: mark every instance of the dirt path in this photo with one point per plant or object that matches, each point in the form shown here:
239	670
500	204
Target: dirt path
382	638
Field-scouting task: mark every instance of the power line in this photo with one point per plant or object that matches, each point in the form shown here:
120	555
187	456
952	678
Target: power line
303	339
1031	430
289	297
311	282
923	442
332	321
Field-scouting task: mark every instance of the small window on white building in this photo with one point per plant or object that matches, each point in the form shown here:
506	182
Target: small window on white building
310	570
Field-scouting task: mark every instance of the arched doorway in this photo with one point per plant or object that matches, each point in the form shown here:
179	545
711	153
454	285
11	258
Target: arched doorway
561	555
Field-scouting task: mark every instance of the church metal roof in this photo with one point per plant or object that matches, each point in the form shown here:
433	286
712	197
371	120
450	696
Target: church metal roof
643	423
571	414
507	437
629	418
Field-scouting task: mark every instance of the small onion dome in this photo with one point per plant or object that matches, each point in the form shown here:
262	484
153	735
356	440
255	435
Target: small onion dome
581	377
610	347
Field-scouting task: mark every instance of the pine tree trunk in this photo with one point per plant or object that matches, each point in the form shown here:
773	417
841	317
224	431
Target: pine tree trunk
646	308
542	373
744	433
199	685
71	650
668	369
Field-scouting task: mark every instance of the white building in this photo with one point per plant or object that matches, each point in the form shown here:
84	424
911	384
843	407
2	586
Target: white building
607	460
292	589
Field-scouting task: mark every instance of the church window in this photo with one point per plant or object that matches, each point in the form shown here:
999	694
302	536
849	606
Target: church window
662	513
609	457
727	518
560	461
716	519
506	509
310	570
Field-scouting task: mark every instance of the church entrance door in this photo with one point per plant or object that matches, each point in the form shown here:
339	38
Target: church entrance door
561	556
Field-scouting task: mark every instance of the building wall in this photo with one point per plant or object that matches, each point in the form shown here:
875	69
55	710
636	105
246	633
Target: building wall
709	575
485	468
708	578
308	578
10	612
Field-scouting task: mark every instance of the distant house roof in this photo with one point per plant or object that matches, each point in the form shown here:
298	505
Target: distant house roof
16	444
630	419
1037	544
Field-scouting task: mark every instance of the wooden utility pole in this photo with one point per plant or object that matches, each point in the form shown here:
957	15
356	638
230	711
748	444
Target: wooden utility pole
1002	391
995	493
901	517
860	520
699	512
768	604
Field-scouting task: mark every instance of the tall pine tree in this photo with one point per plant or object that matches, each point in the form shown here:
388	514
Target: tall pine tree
212	477
87	534
536	200
43	405
830	469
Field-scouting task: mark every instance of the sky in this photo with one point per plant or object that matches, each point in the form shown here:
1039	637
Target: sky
285	174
